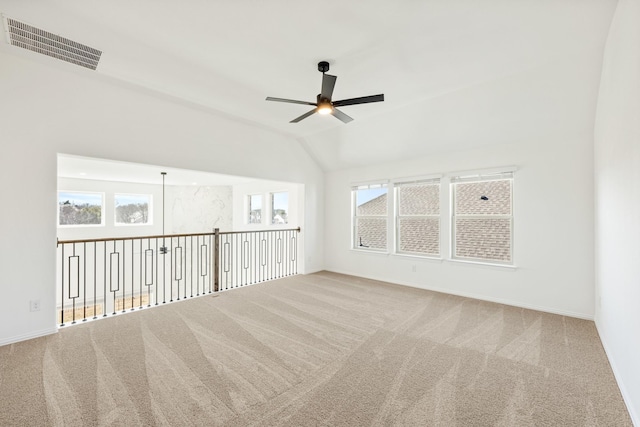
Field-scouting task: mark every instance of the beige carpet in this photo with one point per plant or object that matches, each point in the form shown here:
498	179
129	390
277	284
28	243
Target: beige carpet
323	349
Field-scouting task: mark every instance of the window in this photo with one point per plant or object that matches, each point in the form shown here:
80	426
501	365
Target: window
279	207
132	209
370	217
482	220
80	209
418	218
255	209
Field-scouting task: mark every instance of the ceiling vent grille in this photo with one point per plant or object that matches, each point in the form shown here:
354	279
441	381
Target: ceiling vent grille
37	40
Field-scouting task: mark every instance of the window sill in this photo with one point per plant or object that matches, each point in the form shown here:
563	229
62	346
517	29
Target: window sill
439	260
80	225
370	251
484	264
427	258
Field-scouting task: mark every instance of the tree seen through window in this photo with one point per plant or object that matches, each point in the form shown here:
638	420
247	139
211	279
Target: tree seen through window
132	208
75	208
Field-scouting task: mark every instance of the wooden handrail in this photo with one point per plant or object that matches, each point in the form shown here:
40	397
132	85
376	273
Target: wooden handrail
110	239
260	231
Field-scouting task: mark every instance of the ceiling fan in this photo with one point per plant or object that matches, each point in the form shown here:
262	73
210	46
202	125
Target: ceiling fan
324	105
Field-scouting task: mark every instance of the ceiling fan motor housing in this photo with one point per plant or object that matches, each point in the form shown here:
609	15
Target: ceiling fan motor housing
323	66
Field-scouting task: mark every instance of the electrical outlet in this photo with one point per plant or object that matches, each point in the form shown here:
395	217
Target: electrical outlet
413	268
35	305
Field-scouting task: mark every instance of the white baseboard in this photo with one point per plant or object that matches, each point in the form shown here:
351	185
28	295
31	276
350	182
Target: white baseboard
635	416
28	336
474	296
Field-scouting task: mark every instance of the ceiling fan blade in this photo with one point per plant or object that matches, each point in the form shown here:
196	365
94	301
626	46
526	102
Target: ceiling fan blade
290	101
304	116
341	116
328	83
361	100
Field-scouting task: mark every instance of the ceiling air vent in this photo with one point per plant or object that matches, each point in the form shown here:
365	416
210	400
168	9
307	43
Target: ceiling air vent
37	40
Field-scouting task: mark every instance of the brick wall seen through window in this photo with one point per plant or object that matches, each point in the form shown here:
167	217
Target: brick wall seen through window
370	217
418	218
482	219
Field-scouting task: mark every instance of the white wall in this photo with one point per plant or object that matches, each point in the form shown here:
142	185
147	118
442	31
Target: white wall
198	209
617	202
553	227
48	107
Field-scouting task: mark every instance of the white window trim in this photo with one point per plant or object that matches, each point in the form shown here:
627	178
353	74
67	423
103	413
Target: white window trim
418	257
102	210
247	210
497	174
364	186
417	179
377	183
271	193
481	263
481	172
124	224
397	184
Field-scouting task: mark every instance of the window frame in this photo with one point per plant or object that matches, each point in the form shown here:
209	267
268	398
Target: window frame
355	216
134	224
480	177
397	185
272	210
102	209
247	217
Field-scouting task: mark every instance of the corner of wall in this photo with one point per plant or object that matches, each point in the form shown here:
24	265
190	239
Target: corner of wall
617	201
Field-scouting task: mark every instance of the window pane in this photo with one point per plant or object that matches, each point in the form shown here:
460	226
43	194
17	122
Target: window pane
371	233
79	208
484	238
132	208
419	199
255	209
483	198
280	207
419	235
371	202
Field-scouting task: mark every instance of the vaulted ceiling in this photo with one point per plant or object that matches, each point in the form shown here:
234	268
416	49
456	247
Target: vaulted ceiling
456	74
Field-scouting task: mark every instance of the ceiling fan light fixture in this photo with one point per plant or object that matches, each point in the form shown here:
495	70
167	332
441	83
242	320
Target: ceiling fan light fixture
324	105
325	108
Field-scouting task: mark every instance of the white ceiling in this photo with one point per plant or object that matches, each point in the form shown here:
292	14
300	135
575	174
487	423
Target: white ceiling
456	74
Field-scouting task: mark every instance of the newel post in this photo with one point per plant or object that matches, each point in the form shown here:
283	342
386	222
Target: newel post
216	260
